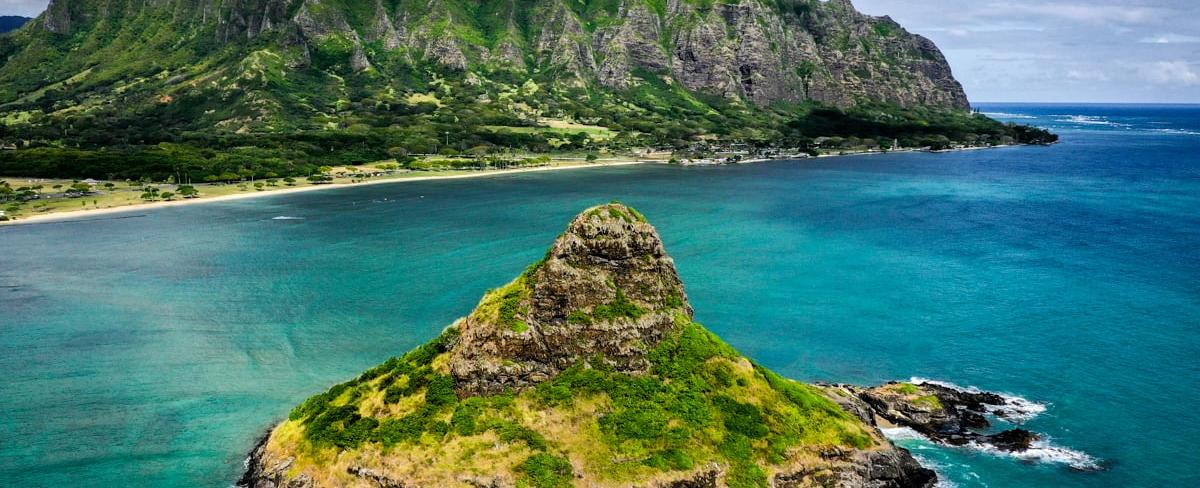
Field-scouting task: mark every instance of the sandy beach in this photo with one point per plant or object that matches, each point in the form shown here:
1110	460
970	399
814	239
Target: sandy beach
89	214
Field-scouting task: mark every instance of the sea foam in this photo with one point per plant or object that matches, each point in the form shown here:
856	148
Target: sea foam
1046	452
902	434
1176	132
1006	115
1089	120
1016	409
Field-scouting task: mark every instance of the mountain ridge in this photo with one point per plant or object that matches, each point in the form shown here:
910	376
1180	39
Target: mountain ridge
10	23
751	49
204	90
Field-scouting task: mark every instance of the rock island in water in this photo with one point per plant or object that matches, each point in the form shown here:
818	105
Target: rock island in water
589	370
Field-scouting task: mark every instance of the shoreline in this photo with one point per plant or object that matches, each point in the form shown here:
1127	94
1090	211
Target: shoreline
85	215
76	215
842	154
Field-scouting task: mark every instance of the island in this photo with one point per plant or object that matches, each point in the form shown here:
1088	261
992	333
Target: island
589	369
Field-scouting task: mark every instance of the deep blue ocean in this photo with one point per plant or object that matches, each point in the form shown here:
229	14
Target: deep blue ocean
153	350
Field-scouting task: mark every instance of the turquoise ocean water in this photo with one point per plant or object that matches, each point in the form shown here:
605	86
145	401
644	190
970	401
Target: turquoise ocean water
153	350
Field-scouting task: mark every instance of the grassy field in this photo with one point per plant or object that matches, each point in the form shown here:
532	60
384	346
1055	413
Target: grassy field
559	128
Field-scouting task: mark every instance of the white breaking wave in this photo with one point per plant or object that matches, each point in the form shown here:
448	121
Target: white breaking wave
942	480
1042	451
1045	452
1006	115
902	434
1016	409
1089	120
1178	132
284	217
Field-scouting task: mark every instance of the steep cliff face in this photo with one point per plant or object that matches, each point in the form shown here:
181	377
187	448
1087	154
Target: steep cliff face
587	370
606	288
761	51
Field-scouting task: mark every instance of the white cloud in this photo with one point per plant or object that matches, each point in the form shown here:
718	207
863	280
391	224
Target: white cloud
1170	39
28	8
1087	75
1170	73
1063	50
1093	14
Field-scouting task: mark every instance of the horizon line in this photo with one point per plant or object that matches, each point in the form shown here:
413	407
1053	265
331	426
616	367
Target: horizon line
973	103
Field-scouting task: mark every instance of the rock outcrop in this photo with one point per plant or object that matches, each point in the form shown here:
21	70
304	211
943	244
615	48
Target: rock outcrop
606	288
943	414
587	370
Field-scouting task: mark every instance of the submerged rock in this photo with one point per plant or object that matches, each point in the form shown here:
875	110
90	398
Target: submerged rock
1015	440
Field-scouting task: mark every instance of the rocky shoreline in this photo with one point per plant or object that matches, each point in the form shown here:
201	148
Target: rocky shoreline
942	414
957	417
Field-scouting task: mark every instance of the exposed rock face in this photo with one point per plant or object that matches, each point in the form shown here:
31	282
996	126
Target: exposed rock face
262	472
930	409
942	414
892	468
633	44
58	18
607	288
756	50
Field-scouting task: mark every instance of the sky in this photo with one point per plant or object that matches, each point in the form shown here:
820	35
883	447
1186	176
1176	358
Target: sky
1136	51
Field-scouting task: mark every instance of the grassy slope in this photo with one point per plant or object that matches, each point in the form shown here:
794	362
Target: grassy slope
701	403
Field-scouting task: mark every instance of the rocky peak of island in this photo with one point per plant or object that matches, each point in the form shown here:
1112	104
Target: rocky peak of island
606	289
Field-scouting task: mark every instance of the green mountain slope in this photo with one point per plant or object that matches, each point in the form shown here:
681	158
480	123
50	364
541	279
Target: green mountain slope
587	370
282	86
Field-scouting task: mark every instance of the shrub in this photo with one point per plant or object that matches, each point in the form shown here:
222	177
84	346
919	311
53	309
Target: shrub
546	471
441	391
619	308
579	317
464	420
741	418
